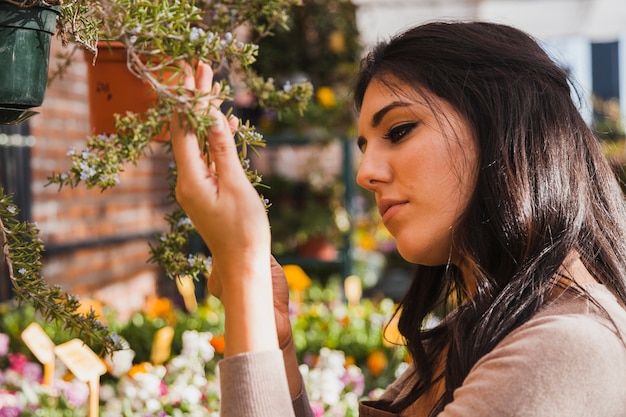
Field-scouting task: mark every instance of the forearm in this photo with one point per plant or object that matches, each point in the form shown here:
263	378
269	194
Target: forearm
249	324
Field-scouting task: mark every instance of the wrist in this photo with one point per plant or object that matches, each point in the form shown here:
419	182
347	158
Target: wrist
249	324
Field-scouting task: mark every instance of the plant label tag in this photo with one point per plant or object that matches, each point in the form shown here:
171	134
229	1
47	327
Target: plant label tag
36	339
353	289
39	343
187	289
80	360
162	345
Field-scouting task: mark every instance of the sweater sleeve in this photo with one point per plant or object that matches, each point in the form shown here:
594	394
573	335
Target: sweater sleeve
570	365
255	385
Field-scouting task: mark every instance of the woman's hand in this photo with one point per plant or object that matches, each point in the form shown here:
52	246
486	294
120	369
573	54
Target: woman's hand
229	215
215	192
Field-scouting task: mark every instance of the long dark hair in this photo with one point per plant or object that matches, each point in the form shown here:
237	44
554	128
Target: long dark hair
544	189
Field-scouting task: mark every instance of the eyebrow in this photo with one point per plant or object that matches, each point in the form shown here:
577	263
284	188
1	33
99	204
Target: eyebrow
378	116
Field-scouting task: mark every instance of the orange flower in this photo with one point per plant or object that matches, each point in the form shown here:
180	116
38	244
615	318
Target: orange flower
376	362
160	307
218	343
88	304
140	368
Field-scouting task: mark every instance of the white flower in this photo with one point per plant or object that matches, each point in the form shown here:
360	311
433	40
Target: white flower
185	221
197	345
120	361
195	34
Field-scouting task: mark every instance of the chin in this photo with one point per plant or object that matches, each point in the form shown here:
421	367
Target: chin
424	257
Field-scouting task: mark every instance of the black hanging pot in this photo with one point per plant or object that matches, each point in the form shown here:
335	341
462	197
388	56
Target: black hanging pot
25	34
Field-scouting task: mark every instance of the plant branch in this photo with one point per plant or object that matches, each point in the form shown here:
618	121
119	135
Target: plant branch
22	251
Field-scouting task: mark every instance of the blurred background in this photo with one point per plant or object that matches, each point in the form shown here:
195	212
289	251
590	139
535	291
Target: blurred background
344	273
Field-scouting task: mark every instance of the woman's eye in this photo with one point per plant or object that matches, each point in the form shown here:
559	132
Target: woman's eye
398	132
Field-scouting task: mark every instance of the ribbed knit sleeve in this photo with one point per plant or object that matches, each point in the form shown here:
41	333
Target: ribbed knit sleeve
254	385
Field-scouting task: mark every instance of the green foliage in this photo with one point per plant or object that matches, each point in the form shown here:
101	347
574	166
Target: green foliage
22	251
607	121
322	46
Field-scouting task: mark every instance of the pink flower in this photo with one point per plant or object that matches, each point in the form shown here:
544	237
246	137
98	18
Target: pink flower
30	371
17	361
10	411
9	404
318	409
4	344
76	393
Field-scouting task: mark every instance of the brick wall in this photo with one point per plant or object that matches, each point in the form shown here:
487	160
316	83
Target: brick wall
97	242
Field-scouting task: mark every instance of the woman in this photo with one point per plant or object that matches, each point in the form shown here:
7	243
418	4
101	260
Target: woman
493	185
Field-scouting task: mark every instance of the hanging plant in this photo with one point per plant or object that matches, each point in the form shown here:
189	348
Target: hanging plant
159	36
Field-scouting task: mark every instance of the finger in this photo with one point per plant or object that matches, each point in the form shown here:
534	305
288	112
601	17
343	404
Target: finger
187	153
183	147
214	284
204	85
222	147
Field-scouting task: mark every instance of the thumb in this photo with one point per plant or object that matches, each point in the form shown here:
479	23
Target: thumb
214	283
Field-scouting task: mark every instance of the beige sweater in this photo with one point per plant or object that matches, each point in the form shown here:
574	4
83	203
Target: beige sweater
568	360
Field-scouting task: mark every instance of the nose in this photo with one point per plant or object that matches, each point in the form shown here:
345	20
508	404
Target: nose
372	171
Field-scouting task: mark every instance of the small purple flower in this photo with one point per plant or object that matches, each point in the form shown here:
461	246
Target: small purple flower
9	404
10	411
32	372
76	394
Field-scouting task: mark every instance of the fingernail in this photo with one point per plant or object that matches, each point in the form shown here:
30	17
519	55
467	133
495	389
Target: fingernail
218	122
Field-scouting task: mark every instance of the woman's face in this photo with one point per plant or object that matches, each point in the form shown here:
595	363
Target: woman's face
421	166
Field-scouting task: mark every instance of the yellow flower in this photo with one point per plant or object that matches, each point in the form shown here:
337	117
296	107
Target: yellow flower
366	241
337	41
297	279
326	97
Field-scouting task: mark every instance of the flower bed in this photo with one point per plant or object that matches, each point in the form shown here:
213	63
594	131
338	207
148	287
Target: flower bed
341	349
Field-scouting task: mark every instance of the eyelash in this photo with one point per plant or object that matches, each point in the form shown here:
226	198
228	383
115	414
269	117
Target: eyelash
396	133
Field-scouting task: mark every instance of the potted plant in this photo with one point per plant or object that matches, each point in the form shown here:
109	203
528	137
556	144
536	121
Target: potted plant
160	37
26	27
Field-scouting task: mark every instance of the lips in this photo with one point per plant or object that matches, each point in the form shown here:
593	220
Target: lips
387	208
